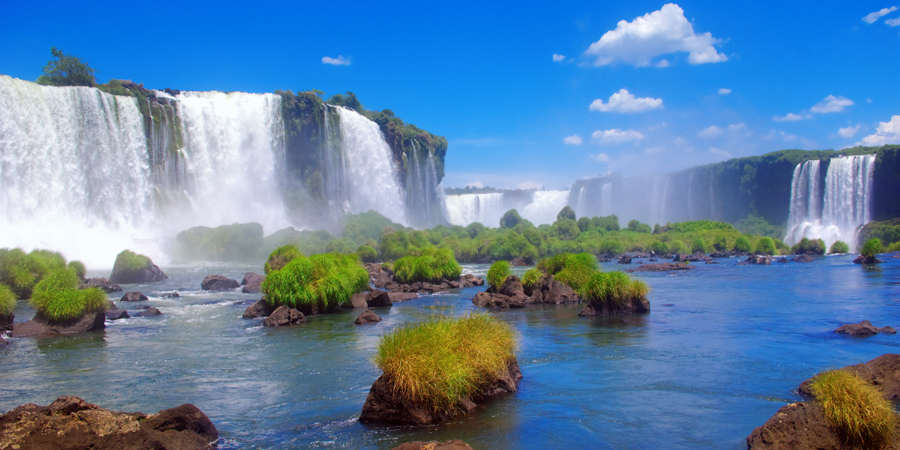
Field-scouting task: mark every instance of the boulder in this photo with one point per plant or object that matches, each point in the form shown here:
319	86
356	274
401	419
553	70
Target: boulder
625	259
761	260
102	283
456	444
804	258
258	309
117	314
680	258
512	287
386	405
864	328
397	297
604	258
150	312
72	423
171	295
518	262
357	301
42	326
469	280
133	297
377	298
284	316
866	260
557	292
661	267
378	275
6	321
496	301
148	274
634	306
218	283
251	283
367	316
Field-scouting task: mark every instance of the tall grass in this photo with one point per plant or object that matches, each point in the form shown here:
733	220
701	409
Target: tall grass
532	277
857	411
7	300
129	261
498	273
613	288
432	265
280	257
21	271
322	282
871	248
440	361
58	298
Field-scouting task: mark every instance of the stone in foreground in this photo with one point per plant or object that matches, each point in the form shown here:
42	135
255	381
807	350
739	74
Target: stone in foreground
367	316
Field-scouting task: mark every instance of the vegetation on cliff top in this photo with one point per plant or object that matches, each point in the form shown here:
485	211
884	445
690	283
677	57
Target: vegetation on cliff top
438	362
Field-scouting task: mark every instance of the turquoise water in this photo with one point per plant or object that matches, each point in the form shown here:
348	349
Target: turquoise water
731	349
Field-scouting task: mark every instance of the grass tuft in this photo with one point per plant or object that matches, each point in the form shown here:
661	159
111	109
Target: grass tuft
128	261
498	273
58	298
856	410
322	282
432	265
531	278
438	362
613	288
281	256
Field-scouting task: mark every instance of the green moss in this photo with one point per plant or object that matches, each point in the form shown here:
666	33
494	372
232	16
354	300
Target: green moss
432	265
58	298
317	284
129	261
498	273
280	257
855	409
7	300
871	248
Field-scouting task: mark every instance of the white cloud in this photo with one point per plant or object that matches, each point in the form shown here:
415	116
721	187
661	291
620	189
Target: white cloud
893	22
617	136
887	133
719	152
654	34
573	140
737	126
475	184
873	16
791	117
558	58
600	157
724	91
849	131
831	104
710	133
339	61
663	63
530	185
625	102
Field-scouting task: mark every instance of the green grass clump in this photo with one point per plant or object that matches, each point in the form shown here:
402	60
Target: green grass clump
839	247
498	273
766	245
281	256
742	245
78	267
366	253
871	248
7	300
320	282
613	288
128	261
531	278
855	409
577	270
432	265
438	362
809	247
58	298
21	271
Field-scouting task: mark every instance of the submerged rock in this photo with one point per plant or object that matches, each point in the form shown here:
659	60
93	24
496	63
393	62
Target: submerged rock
218	283
251	283
260	308
804	258
72	423
456	444
150	312
397	297
866	260
367	316
284	316
117	314
864	328
133	297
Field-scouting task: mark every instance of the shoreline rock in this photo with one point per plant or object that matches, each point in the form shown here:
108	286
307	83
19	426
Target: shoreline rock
456	444
284	316
258	309
102	283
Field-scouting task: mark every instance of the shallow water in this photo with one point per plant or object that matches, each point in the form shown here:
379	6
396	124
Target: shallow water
728	350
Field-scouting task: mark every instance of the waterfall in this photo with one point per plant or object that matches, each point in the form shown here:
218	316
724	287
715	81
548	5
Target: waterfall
544	206
606	200
839	212
465	209
369	174
332	159
581	203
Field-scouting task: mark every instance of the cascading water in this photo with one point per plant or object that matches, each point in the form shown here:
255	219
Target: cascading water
838	212
469	208
606	199
581	202
544	206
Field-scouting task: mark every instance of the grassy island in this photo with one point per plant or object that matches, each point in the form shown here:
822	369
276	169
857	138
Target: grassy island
438	362
855	409
315	284
58	298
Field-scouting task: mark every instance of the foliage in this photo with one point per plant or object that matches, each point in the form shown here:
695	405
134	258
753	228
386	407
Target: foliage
677	247
576	270
281	256
638	227
612	288
498	273
809	247
58	298
565	229
318	283
79	268
742	244
871	248
756	225
21	272
366	253
567	212
888	232
7	300
895	247
721	243
532	277
510	219
364	226
766	245
697	226
699	245
433	265
66	70
839	247
855	409
235	242
611	247
439	362
659	248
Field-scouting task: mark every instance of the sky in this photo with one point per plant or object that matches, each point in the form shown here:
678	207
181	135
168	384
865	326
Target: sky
528	94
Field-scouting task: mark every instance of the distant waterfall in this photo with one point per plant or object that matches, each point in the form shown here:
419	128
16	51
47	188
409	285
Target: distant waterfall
423	200
465	209
544	206
837	212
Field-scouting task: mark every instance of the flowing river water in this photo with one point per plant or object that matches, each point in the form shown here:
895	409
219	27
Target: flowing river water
723	348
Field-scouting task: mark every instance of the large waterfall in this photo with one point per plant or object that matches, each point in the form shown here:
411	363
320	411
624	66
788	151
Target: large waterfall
837	211
469	208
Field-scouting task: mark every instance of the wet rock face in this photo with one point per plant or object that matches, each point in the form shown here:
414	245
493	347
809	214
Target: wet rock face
251	283
218	283
259	309
72	423
148	274
284	316
366	317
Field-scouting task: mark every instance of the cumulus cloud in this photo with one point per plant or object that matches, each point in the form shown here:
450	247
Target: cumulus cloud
476	184
737	126
719	152
600	157
339	61
558	58
831	104
849	131
724	91
616	136
651	35
663	63
530	185
791	117
893	22
573	140
886	133
625	102
873	16
710	133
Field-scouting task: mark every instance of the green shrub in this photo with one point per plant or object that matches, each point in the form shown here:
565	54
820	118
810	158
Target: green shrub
742	245
437	363
510	219
567	212
611	247
21	271
498	273
695	226
366	253
78	268
58	298
576	270
432	265
809	247
281	256
660	248
612	288
677	247
7	300
638	227
319	283
871	248
895	247
855	409
531	278
839	247
699	245
766	245
721	243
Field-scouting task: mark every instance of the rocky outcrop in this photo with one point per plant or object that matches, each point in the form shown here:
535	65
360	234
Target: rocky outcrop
804	258
548	290
251	283
148	274
116	314
102	283
397	297
660	267
386	405
218	283
469	280
496	301
625	259
378	275
6	321
456	444
72	423
284	316
519	262
377	298
258	309
367	316
761	260
630	306
133	297
357	301
41	326
866	260
864	328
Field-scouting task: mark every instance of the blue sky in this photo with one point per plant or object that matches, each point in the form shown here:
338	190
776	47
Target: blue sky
645	86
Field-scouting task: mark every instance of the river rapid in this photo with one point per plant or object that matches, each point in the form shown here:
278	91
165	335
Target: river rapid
723	348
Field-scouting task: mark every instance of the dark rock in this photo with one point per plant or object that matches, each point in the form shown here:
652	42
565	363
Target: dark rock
377	298
802	258
456	444
469	280
357	300
864	328
633	306
518	262
604	258
391	286
259	309
218	283
171	295
41	326
284	316
367	316
150	312
625	259
724	254
71	423
557	292
102	283
3	342
148	274
512	288
251	283
386	405
397	297
379	276
117	314
680	258
6	321
496	301
453	284
761	260
133	297
866	260
660	267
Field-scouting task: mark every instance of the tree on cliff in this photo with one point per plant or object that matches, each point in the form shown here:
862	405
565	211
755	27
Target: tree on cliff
66	70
